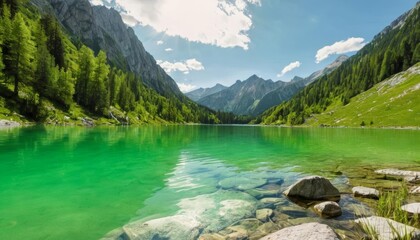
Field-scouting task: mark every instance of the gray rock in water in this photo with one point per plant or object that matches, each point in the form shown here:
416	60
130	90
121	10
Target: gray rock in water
365	192
387	229
328	209
307	231
397	172
313	187
264	214
413	208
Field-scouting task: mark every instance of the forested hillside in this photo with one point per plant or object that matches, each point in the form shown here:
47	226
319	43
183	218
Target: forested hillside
44	76
393	50
391	103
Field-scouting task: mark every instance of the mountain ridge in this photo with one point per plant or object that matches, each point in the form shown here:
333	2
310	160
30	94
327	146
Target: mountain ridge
286	92
199	93
101	28
241	97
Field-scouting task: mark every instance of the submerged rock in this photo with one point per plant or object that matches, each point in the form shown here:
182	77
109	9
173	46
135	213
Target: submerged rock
307	231
241	183
263	193
264	214
213	236
397	172
328	209
263	230
387	229
271	200
173	227
199	215
365	192
313	187
412	208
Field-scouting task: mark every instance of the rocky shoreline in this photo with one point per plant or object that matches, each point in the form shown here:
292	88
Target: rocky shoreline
262	208
8	124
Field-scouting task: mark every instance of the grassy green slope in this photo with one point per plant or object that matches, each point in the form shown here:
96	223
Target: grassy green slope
391	103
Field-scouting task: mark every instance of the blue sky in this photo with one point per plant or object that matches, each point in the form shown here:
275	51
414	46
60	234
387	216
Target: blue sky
204	42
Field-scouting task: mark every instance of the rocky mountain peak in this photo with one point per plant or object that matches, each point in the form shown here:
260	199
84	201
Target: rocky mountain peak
296	78
101	28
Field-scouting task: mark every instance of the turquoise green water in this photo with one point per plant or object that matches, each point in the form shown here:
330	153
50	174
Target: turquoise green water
79	183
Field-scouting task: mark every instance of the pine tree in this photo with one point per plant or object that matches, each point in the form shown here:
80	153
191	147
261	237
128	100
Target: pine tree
65	87
97	91
1	44
21	52
13	6
416	54
6	25
386	66
44	64
54	38
85	73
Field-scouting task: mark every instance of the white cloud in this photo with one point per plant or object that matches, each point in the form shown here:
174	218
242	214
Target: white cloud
350	45
223	23
193	64
160	42
184	67
168	49
186	87
129	20
289	68
97	2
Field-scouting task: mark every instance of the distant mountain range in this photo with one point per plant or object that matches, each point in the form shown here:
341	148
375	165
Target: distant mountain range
242	97
255	95
286	92
204	92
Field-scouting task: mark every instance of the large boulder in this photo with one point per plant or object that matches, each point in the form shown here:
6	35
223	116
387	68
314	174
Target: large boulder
307	231
365	192
313	187
387	229
328	209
